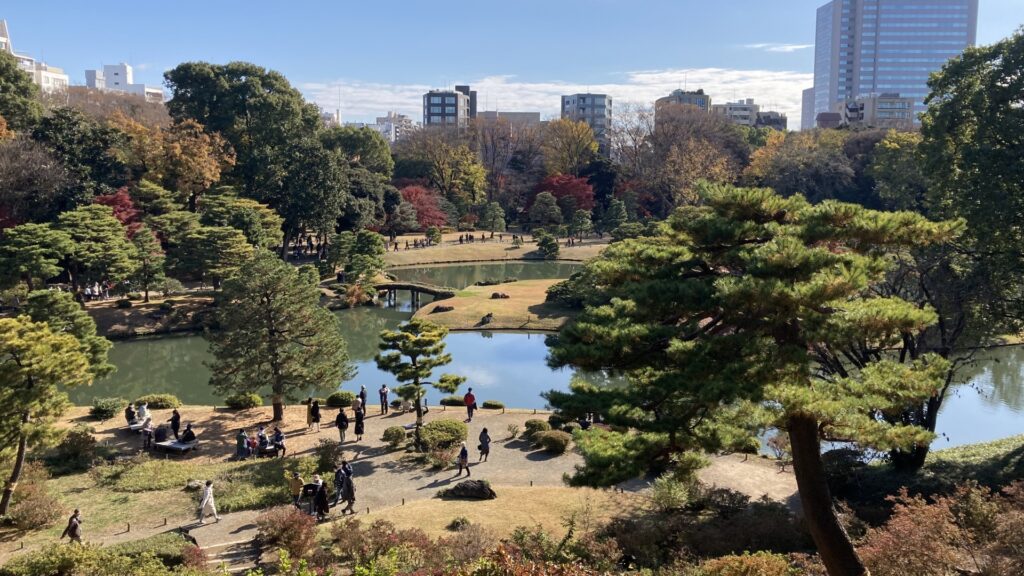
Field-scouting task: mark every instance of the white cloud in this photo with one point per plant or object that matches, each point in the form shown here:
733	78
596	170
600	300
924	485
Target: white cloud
362	101
778	47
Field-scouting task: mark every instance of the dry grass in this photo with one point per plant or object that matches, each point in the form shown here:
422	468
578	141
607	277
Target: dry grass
450	251
146	318
514	506
524	309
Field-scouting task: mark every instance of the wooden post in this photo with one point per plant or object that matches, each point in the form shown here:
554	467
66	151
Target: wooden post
531	483
403	501
129	527
367	509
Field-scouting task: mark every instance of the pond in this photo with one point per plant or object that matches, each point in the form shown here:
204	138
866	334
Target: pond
510	367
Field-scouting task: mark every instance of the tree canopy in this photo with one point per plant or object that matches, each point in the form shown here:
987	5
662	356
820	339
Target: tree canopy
19	102
363	145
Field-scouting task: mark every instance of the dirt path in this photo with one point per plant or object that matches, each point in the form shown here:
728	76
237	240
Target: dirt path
753	476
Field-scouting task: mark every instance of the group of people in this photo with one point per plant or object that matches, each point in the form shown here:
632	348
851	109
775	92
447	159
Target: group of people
316	490
252	445
484	447
97	291
140	414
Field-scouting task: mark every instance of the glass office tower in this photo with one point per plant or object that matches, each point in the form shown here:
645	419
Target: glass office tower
865	47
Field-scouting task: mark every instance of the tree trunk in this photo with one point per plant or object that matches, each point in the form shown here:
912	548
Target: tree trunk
834	546
19	463
145	293
278	403
419	423
913	459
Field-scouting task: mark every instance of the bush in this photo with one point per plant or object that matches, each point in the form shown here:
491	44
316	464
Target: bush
87	559
341	399
452	401
288	528
628	230
547	245
553	441
513	431
167	305
106	408
328	454
123	303
571	427
556	420
668	494
244	401
76	450
493	405
458	523
160	401
394	436
134	296
444	433
306	401
534	426
172	286
168	547
442	458
917	535
34	506
756	564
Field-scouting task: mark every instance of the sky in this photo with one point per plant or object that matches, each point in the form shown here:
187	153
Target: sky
368	57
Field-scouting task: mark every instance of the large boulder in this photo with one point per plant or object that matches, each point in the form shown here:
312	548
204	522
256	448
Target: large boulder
470	490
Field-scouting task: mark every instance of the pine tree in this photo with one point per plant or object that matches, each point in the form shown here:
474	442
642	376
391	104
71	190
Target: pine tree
411	353
63	315
100	250
545	210
494	218
547	245
615	216
32	252
210	253
275	335
149	261
750	296
36	363
580	224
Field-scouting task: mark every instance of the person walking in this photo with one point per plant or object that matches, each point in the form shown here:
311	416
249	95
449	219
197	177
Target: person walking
463	460
295	484
321	504
241	445
348	494
339	481
206	505
315	414
309	414
341	421
147	434
384	398
73	531
175	422
360	427
485	445
470	401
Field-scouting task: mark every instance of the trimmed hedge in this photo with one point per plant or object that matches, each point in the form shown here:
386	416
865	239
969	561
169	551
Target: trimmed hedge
533	426
443	433
570	427
394	436
306	401
341	399
493	405
160	401
452	401
106	408
556	420
554	441
244	401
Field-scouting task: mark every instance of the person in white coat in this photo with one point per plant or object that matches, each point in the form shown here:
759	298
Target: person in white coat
206	505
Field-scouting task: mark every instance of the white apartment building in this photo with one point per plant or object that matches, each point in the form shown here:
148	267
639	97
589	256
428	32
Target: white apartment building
50	79
742	112
596	111
119	78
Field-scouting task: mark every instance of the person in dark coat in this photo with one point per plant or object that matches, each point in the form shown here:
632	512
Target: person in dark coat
188	435
321	505
347	493
74	528
463	460
315	414
383	393
341	421
359	424
175	422
278	443
129	414
485	445
362	396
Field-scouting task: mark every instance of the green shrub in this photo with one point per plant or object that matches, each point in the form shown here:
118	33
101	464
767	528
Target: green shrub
668	494
341	399
513	431
328	454
628	230
443	433
307	402
493	405
394	436
571	427
458	524
452	401
172	286
76	450
244	401
123	303
756	564
90	560
556	420
547	245
160	401
167	305
134	296
106	408
533	426
168	547
553	441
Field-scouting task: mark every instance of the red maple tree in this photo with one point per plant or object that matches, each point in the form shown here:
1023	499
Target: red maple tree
428	210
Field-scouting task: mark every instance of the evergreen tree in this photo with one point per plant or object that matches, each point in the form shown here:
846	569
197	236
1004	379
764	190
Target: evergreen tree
580	224
547	245
149	261
366	259
275	335
751	296
339	249
615	216
99	248
494	218
545	210
411	353
36	363
434	235
63	315
19	101
210	253
32	252
401	220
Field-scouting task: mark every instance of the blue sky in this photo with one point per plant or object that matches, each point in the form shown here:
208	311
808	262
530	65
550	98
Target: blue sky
520	55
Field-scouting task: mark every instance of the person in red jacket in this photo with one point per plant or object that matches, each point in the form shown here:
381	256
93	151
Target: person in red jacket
470	401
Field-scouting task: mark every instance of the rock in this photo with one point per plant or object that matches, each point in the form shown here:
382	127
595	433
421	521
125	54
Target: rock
470	490
442	309
498	296
193	485
487	319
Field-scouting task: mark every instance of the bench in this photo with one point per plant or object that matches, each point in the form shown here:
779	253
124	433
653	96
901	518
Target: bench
269	451
136	426
176	446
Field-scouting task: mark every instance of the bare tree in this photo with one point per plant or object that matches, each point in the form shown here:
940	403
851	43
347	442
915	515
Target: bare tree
31	182
632	135
101	105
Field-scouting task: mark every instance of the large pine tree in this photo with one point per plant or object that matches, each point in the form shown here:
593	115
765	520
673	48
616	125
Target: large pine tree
751	296
275	336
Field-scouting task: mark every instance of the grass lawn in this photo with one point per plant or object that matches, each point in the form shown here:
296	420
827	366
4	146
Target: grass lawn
514	506
450	251
525	308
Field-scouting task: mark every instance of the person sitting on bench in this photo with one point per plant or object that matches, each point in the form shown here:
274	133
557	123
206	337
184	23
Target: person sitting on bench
278	442
188	435
129	414
262	440
143	412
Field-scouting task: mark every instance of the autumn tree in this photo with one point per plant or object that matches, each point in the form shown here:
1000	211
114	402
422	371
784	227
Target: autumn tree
36	364
425	202
411	353
124	209
149	261
568	146
193	160
32	253
100	249
754	297
570	192
275	336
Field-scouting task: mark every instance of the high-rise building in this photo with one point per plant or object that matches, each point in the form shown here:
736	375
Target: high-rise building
471	94
807	109
49	78
865	47
448	108
596	111
120	78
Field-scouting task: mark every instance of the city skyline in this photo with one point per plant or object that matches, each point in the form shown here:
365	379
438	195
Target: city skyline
766	54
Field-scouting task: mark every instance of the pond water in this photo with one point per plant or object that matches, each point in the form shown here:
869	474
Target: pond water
510	366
